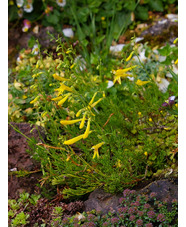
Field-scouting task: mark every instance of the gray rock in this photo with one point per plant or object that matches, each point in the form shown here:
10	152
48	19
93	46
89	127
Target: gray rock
165	30
166	190
101	201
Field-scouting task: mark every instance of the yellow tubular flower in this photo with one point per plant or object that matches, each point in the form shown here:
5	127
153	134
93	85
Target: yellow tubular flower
176	62
35	75
59	77
35	100
175	41
70	122
95	103
79	112
63	88
96	147
72	66
44	114
117	78
140	82
92	100
64	99
96	153
130	56
83	121
74	140
120	72
68	158
87	129
57	98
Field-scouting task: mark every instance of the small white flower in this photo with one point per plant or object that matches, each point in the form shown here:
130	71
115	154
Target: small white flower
163	85
110	84
24	29
68	32
28	8
61	3
35	49
19	3
117	48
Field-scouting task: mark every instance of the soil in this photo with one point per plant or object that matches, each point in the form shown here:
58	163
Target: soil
19	159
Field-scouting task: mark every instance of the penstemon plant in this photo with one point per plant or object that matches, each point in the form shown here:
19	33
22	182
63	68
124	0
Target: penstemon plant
109	133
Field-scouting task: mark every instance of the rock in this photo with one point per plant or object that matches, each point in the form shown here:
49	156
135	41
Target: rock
101	201
19	39
165	189
19	159
164	30
45	39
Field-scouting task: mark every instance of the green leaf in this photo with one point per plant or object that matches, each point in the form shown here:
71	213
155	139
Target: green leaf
122	20
130	5
165	51
156	5
12	13
31	42
141	13
83	14
94	5
94	59
171	1
53	18
84	42
11	213
99	39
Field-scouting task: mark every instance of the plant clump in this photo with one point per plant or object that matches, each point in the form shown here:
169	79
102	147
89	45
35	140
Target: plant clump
98	135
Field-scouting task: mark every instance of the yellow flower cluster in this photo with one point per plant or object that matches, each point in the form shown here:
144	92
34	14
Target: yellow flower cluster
121	73
62	98
87	113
